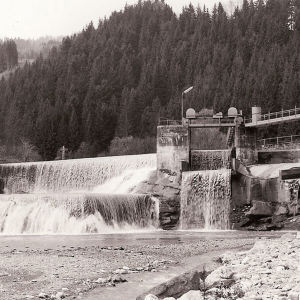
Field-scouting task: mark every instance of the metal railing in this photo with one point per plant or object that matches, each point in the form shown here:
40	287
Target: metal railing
279	142
166	121
275	115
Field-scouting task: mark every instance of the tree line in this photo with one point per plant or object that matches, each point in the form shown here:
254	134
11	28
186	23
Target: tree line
117	79
8	55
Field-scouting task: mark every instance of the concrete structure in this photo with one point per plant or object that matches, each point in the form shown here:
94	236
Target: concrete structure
253	197
245	145
278	156
172	147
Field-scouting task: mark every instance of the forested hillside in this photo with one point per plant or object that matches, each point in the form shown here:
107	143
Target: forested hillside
31	48
8	55
117	79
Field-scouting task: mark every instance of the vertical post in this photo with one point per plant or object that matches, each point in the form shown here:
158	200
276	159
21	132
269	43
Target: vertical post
189	144
63	152
182	107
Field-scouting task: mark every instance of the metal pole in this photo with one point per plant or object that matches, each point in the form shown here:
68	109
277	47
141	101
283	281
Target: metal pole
184	92
182	106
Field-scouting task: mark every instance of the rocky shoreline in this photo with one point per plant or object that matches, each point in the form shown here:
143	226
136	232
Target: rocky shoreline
270	270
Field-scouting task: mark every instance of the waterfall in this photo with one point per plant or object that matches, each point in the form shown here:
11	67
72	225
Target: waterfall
205	199
77	196
69	175
210	159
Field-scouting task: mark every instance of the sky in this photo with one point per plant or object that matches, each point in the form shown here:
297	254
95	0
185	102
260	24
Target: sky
31	19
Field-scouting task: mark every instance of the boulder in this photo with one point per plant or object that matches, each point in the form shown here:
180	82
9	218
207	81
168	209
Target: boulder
218	277
192	295
117	278
175	287
170	193
280	210
288	237
261	209
151	297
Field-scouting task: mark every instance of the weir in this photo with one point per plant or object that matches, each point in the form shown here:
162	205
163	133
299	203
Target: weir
193	189
75	213
69	175
77	196
205	199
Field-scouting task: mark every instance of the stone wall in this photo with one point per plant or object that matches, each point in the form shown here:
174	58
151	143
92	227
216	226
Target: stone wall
172	147
165	186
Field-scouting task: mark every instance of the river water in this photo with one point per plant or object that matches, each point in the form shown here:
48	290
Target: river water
139	237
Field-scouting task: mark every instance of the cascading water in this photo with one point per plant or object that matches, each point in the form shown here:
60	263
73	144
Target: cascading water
69	175
205	199
77	196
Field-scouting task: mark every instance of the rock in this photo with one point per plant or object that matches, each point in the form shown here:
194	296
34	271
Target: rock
279	268
151	297
162	181
279	218
280	210
293	296
169	298
117	278
261	208
102	280
43	296
288	237
156	263
170	193
192	295
59	295
126	268
245	260
175	287
219	276
121	271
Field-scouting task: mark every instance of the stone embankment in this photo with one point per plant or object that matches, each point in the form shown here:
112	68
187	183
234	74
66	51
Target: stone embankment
270	270
166	186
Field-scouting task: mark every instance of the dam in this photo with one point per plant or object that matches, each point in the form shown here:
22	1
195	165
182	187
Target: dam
175	188
77	196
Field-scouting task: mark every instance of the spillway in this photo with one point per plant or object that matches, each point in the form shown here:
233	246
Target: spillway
77	196
205	199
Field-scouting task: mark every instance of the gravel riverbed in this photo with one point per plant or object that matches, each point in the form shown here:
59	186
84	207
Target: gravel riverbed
70	271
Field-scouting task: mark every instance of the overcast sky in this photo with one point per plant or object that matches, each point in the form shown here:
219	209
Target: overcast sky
35	18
